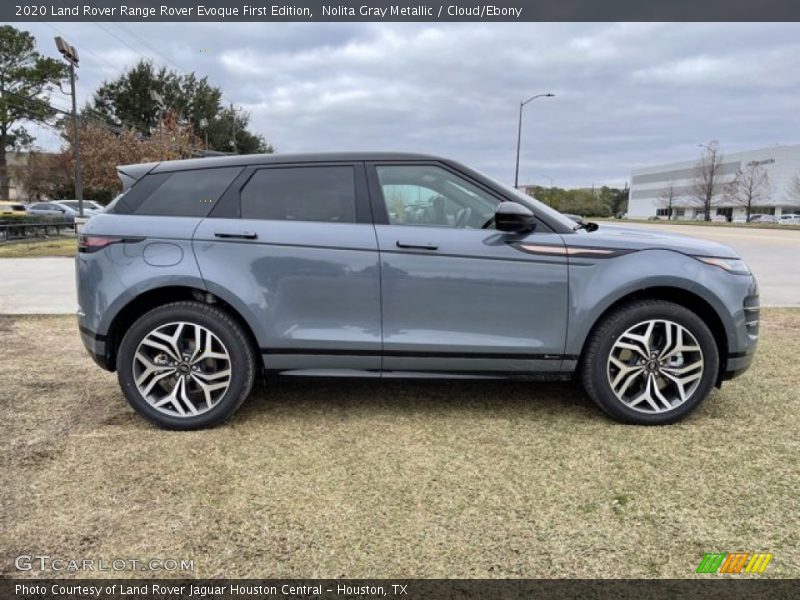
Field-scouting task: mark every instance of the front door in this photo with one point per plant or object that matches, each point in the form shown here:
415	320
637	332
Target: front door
457	297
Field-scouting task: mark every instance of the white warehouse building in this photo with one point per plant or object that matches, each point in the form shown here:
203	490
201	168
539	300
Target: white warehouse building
650	186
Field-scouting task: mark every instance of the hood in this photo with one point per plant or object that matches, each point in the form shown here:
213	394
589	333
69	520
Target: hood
631	238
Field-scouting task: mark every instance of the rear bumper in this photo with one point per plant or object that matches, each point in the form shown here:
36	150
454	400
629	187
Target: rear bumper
95	345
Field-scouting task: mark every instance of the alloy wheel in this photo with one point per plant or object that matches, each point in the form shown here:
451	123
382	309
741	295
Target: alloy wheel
655	366
182	369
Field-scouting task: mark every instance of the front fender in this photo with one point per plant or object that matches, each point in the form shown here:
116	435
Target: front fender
595	285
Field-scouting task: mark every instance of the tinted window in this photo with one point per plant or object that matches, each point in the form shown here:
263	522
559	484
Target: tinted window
187	193
301	194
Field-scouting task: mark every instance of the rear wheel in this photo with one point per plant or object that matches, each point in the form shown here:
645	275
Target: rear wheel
650	362
186	365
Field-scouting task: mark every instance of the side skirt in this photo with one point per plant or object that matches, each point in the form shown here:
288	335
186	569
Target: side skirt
435	375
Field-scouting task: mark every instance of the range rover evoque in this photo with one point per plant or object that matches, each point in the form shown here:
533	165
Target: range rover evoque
205	272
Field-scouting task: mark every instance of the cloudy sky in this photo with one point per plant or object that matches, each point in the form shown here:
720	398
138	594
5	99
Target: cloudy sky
627	95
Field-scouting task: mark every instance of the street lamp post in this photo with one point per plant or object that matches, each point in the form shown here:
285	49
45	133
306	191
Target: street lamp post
71	56
519	130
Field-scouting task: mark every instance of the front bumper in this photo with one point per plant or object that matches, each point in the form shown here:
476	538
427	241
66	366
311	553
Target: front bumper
741	357
737	364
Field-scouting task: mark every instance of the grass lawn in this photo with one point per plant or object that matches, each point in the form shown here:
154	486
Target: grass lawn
396	479
55	246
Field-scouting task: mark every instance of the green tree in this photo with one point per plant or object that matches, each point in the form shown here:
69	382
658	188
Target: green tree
26	77
128	101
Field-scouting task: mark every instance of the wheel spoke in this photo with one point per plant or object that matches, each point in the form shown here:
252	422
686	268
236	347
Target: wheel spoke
148	341
150	368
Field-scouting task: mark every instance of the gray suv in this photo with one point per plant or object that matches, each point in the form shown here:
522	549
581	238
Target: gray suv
205	272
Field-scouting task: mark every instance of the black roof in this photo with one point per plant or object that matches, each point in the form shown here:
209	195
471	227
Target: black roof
138	170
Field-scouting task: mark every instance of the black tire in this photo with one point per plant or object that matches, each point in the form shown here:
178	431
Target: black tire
593	368
229	332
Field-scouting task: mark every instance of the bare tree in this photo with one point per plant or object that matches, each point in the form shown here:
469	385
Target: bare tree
667	199
794	190
707	179
749	188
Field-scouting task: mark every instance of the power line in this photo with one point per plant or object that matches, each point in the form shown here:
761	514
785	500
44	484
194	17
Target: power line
144	43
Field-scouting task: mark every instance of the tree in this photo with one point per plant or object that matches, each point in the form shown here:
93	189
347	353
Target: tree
615	199
707	179
48	175
26	77
794	189
749	188
104	148
667	199
129	101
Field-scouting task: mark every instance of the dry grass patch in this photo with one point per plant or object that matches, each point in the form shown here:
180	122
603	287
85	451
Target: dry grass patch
396	479
60	246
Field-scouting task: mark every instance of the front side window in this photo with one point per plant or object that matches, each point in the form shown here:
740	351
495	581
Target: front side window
324	193
427	195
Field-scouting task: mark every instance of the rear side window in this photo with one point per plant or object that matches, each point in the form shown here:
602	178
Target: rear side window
301	194
179	194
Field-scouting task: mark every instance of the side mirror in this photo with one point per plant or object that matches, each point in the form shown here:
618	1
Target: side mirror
513	217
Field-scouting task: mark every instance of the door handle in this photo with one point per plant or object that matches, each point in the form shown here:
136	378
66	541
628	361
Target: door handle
245	235
427	246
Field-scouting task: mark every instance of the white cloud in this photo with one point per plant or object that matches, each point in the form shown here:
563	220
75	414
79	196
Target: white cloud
627	94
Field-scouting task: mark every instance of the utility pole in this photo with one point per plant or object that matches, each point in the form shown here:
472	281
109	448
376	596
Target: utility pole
71	56
233	128
204	126
162	108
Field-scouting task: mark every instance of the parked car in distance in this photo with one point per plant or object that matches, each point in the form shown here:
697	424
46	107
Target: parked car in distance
790	219
90	207
764	219
67	209
740	219
699	217
48	209
205	273
719	219
12	209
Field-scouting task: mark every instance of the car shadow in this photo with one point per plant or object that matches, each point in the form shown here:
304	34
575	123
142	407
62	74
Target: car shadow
290	397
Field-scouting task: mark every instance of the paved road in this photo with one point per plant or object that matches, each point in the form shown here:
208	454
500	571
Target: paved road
772	254
47	285
37	286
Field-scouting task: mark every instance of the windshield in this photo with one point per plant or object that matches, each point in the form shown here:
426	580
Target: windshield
535	205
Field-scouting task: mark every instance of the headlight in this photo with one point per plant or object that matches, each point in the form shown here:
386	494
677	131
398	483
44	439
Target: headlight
731	265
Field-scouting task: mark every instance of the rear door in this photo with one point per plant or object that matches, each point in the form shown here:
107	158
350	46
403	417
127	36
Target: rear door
293	246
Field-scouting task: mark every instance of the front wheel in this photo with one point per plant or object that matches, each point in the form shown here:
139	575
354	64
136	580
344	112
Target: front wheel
185	365
650	362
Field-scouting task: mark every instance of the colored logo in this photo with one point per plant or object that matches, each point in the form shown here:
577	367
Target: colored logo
734	562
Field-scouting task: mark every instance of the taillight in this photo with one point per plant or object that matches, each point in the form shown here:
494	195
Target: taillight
92	243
